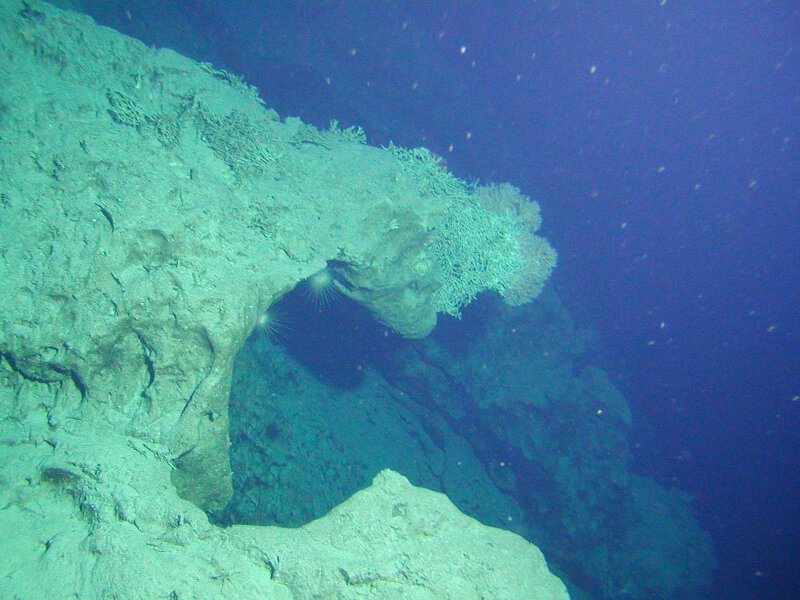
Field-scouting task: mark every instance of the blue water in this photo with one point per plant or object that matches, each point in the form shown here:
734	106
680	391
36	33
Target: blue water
662	140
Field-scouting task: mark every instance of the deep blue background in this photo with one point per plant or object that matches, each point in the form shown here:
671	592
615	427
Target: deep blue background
661	139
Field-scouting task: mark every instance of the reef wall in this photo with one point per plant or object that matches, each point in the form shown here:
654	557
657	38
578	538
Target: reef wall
151	211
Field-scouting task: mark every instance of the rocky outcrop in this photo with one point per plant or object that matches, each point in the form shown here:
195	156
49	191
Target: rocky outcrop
151	210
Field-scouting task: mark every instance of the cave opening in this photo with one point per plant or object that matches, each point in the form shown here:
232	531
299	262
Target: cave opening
326	396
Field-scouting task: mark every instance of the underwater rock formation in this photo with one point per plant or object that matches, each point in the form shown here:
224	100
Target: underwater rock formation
151	211
507	414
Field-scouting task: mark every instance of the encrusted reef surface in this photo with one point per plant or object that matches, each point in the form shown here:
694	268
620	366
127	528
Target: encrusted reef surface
151	210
